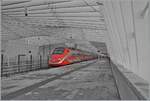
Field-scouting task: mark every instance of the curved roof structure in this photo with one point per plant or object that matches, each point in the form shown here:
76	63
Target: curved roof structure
122	24
43	17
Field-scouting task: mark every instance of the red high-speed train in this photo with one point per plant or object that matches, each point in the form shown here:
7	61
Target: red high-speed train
63	56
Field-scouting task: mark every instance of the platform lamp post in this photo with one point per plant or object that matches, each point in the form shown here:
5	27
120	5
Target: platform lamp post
2	61
40	61
39	55
18	63
72	42
30	60
26	11
101	4
99	57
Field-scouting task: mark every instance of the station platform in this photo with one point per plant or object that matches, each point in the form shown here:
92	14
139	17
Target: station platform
89	80
18	82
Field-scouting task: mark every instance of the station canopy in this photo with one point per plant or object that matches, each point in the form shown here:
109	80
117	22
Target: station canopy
30	18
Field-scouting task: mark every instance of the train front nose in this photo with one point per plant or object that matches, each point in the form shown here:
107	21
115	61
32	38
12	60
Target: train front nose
57	56
55	60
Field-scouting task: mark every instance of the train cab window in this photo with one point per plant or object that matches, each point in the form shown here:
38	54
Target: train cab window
75	54
58	51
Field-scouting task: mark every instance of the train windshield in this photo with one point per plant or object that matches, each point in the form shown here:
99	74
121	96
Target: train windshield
58	51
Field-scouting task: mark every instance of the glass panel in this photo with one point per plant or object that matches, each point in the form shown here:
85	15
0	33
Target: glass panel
58	51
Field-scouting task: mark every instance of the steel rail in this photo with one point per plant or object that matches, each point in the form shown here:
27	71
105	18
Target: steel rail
115	79
126	88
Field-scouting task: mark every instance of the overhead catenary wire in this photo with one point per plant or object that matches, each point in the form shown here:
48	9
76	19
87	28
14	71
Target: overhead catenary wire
31	5
74	9
92	6
7	3
60	19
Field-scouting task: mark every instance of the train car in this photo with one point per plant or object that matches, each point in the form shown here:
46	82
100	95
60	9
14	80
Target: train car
63	56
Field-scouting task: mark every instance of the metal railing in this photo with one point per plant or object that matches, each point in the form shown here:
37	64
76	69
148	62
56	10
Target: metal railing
12	68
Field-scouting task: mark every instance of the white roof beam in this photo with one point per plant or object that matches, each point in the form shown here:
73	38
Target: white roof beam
92	14
12	2
47	12
72	24
75	21
65	4
77	26
59	14
74	9
68	22
62	18
34	3
54	16
10	31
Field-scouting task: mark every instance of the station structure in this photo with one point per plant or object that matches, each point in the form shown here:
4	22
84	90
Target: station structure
117	31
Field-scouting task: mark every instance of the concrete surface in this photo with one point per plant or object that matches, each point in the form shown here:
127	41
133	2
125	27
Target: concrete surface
95	82
141	85
19	81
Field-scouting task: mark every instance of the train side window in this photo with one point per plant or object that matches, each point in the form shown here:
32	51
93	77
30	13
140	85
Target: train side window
74	54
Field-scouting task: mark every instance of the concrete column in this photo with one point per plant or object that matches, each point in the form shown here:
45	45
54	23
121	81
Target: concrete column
113	32
128	27
128	34
143	37
120	30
